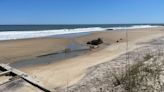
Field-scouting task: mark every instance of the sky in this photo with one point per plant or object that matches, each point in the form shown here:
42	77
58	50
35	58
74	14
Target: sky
81	11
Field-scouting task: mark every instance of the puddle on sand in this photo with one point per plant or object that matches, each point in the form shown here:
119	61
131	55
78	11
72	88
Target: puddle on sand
76	49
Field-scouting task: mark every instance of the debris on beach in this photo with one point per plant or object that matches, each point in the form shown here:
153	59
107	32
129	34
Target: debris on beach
95	43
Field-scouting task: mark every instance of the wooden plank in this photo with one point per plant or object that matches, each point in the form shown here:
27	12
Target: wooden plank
24	76
3	73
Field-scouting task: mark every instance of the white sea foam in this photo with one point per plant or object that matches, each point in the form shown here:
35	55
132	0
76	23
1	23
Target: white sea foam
134	27
11	35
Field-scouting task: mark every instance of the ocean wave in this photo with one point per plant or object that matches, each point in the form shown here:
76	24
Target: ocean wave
11	35
135	27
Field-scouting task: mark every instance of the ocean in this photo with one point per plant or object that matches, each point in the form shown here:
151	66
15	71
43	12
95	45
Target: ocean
11	32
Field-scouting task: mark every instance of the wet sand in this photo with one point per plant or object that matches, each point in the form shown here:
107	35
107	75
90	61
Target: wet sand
22	49
69	71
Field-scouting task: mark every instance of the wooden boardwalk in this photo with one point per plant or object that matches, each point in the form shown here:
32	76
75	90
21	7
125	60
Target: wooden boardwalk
7	69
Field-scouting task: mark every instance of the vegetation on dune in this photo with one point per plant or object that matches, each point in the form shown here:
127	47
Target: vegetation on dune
144	76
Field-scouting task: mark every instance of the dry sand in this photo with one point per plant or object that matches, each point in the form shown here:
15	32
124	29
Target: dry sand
68	72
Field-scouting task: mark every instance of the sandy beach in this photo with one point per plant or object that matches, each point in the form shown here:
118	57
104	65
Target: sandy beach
69	71
21	49
81	46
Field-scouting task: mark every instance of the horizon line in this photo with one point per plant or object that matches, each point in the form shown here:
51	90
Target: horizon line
84	24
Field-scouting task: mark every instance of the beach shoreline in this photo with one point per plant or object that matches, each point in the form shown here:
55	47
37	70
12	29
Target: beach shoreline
69	71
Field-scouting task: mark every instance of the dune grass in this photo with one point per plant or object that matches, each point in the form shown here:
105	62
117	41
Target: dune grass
141	77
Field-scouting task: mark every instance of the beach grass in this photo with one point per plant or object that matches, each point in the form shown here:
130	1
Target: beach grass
138	77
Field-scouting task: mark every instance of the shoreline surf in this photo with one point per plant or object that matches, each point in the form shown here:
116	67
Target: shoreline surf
14	35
